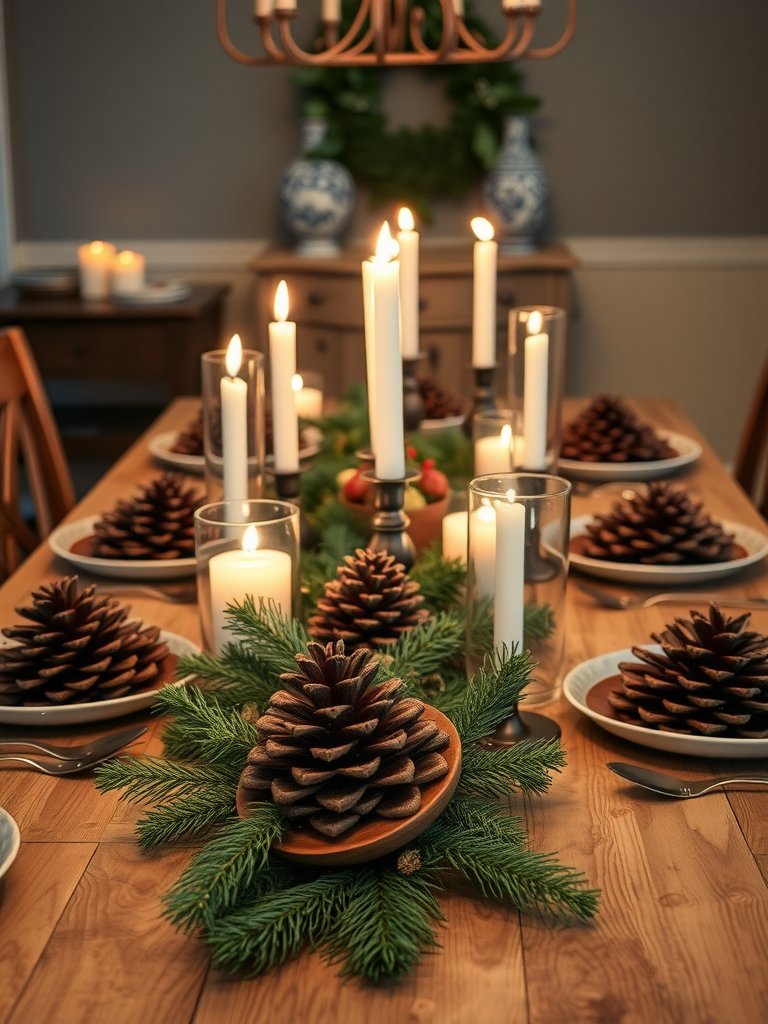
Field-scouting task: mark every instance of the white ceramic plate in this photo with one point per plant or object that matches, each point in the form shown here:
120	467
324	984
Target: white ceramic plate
753	541
10	838
62	539
580	681
688	451
98	710
157	292
161	448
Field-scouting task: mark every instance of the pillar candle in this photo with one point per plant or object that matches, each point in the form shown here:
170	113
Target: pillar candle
370	349
535	395
282	363
94	263
127	274
482	549
455	526
260	573
510	574
388	383
484	295
309	401
234	425
494	454
408	240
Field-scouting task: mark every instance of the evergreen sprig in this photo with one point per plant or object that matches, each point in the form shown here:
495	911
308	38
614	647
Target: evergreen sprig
204	729
491	696
271	637
428	648
498	773
442	581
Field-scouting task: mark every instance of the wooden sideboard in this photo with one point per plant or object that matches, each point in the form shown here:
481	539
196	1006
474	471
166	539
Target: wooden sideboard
327	305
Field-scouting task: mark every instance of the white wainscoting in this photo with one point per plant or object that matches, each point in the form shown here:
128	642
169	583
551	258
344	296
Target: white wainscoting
686	318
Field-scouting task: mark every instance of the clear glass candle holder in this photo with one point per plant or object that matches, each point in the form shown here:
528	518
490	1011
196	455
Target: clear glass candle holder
536	374
496	440
519	526
245	548
251	371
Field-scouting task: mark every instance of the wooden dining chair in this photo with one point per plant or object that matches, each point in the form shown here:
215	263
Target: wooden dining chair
31	454
751	465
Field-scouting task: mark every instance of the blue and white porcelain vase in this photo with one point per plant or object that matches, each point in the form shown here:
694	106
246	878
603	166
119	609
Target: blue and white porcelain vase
517	190
317	196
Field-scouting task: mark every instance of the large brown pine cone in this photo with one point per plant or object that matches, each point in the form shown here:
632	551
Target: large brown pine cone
662	527
335	746
189	441
608	431
710	680
439	404
371	603
78	647
158	523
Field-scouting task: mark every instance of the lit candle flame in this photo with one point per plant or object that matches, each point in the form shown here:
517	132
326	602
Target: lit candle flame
234	356
506	436
250	540
97	248
124	257
405	219
281	302
297	382
386	247
534	322
482	228
486	512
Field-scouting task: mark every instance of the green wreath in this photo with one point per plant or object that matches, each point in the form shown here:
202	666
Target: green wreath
415	166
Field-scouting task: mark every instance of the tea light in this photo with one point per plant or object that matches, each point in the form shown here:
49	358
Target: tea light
128	273
261	573
455	526
94	264
309	401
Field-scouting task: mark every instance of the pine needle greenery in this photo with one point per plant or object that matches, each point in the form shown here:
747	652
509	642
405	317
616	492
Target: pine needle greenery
376	920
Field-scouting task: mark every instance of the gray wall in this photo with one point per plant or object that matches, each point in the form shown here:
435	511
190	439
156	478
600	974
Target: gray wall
130	121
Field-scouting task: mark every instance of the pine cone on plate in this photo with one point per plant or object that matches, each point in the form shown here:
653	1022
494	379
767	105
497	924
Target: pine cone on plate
189	441
710	680
662	527
371	603
608	431
158	523
335	746
77	648
439	404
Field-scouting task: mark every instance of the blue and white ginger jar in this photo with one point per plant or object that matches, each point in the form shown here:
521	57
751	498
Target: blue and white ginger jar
517	190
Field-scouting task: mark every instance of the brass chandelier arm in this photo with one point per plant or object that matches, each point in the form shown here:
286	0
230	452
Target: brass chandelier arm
229	47
340	48
447	35
475	50
568	33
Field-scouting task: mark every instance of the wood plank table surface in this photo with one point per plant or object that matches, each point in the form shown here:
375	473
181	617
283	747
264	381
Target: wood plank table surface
681	935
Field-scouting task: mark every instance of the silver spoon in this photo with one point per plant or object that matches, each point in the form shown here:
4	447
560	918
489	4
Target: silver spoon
101	746
668	785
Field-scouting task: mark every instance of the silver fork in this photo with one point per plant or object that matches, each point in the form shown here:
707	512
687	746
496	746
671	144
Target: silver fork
102	746
668	785
59	767
624	488
624	602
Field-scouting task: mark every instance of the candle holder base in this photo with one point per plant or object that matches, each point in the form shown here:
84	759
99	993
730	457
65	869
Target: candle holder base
413	406
483	397
518	727
389	521
366	457
288	488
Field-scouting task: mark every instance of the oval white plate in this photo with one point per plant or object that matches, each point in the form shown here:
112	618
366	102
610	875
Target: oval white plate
161	448
98	710
157	292
688	451
62	539
10	838
444	424
580	681
754	542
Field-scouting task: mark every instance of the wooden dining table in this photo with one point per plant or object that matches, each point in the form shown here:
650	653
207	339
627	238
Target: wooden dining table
681	935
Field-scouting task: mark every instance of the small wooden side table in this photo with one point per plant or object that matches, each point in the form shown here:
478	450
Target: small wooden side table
327	304
94	342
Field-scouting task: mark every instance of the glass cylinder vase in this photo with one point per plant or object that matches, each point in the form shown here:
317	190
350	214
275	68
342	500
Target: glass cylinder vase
496	440
214	374
519	525
245	548
536	374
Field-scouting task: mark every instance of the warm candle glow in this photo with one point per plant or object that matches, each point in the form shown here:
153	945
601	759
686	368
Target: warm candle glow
281	302
126	257
506	439
297	382
534	322
234	356
405	219
482	228
97	248
250	540
386	246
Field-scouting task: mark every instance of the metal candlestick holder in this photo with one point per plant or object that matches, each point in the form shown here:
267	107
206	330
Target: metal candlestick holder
521	726
389	521
288	488
483	397
366	457
413	406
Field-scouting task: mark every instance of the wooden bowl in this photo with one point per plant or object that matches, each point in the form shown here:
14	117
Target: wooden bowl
375	837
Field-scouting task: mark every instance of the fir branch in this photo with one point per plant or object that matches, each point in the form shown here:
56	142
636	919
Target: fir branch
239	677
158	779
223	870
273	639
272	929
427	647
187	817
387	925
204	729
442	581
478	817
491	696
497	773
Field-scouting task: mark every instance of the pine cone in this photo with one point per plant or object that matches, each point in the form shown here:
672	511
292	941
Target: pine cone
608	431
663	527
439	404
189	441
335	746
78	648
156	524
371	603
710	680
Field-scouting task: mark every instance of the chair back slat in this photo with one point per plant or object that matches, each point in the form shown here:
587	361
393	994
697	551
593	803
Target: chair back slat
751	465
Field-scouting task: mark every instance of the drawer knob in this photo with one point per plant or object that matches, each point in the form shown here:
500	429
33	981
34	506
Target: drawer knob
315	299
423	304
321	345
507	299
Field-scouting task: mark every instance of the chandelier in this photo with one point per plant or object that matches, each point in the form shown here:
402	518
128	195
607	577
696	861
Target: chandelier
391	33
